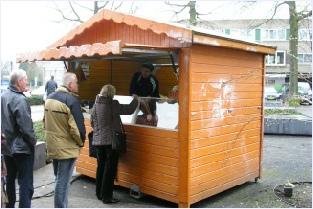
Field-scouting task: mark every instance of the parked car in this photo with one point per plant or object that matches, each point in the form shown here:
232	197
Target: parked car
304	88
39	92
4	85
270	93
304	92
27	92
4	88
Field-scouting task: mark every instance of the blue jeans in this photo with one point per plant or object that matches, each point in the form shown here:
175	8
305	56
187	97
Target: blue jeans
20	166
63	170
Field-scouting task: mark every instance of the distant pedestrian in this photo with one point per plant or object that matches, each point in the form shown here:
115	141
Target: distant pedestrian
17	126
51	86
65	134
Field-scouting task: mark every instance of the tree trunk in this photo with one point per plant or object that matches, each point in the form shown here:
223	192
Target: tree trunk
192	13
293	48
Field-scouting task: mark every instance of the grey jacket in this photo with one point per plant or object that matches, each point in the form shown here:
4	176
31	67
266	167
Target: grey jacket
16	123
105	118
51	86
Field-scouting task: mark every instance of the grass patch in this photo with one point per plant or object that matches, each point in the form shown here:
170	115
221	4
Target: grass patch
39	131
281	112
35	100
40	136
294	103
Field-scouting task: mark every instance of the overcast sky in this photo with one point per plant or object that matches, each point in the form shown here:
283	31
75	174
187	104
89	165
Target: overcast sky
28	25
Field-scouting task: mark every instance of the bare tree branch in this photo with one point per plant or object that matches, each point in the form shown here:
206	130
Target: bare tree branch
75	13
74	2
303	15
118	6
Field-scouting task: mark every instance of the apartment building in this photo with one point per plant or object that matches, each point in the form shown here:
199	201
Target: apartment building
274	32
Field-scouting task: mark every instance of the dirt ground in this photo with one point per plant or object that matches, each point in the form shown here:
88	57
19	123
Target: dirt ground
301	194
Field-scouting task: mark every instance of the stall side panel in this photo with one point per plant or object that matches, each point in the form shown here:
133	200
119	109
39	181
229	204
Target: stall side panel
84	164
226	119
150	163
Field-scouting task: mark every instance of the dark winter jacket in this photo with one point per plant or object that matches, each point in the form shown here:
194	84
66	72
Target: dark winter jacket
16	123
64	125
105	118
51	86
144	87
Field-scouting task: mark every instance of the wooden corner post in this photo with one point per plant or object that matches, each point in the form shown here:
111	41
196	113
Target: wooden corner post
184	130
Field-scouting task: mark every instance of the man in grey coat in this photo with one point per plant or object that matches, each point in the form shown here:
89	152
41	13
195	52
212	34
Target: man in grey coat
17	126
51	86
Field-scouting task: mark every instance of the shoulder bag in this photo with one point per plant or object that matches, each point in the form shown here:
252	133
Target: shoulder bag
92	148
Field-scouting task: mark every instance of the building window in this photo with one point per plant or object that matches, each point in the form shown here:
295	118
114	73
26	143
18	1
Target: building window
304	35
273	35
242	33
278	59
304	58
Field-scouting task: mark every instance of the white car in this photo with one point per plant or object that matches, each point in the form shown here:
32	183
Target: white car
27	93
39	92
271	94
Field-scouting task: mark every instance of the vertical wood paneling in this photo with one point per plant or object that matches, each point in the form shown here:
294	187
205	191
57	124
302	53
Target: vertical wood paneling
226	88
148	163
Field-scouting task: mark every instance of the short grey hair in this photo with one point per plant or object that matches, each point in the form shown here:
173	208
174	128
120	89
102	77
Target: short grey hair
17	75
67	78
108	91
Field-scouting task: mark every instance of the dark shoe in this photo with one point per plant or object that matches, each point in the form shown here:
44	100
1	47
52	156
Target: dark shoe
110	201
99	198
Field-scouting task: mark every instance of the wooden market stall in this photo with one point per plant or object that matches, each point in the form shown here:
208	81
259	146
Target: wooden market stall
218	142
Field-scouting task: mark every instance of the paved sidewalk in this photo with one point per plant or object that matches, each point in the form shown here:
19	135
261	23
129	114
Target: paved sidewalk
285	158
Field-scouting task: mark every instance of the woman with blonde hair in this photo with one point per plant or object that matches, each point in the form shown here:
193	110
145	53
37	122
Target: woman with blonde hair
105	120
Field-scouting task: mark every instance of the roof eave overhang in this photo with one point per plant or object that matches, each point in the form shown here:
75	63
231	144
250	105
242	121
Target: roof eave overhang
66	53
231	43
110	50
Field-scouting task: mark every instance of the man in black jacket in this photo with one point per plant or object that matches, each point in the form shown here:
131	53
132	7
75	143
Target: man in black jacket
144	84
17	126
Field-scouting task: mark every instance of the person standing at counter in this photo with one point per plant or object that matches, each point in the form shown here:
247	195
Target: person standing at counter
105	120
144	84
65	134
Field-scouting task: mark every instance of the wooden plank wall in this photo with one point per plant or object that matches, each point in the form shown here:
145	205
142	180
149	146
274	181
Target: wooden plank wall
226	119
151	161
120	77
84	164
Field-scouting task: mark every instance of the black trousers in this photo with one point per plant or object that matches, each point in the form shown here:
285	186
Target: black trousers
107	160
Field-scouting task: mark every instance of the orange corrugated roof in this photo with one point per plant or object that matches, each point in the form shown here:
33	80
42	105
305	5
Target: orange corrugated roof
113	47
109	31
179	33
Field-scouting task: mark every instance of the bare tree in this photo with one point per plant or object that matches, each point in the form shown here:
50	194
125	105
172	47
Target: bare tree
194	14
294	18
73	12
